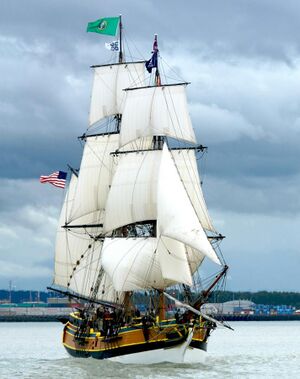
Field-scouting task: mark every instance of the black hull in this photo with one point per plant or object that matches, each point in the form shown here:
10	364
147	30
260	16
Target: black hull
119	351
198	345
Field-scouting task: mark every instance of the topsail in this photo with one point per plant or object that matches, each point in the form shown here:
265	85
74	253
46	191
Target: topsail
156	111
107	92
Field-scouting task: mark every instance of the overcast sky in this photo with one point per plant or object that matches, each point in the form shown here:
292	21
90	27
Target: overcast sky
242	58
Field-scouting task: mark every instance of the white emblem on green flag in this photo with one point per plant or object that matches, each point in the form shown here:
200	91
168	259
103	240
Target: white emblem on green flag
107	25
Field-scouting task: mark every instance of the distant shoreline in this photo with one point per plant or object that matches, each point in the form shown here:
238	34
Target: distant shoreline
29	318
248	317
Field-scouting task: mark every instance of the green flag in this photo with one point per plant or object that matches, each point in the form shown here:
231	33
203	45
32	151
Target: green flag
107	25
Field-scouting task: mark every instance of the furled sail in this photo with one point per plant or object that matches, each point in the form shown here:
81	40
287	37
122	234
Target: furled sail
109	82
132	196
176	216
156	111
186	164
141	263
94	176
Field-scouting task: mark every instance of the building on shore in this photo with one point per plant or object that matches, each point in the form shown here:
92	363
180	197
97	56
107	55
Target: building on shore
246	307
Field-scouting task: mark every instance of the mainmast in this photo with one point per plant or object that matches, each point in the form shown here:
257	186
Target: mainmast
155	51
158	141
161	307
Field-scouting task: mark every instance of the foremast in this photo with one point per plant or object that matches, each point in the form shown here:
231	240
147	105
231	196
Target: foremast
121	42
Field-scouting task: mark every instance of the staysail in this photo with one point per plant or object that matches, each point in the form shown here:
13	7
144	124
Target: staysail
176	216
186	164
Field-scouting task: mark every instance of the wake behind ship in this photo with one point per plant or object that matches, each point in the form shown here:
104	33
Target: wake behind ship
134	225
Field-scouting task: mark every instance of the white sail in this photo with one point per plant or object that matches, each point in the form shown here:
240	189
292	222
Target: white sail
71	244
132	196
68	201
77	255
62	268
174	261
141	263
138	145
160	111
94	176
78	263
186	164
194	257
109	81
176	216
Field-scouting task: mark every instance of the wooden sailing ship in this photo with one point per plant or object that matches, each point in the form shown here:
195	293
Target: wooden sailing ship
134	224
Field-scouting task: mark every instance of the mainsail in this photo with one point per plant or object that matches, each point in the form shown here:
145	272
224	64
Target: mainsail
145	263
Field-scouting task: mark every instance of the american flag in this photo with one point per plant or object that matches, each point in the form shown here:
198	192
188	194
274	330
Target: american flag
58	179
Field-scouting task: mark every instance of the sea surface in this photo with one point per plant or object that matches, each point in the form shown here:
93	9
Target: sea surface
252	350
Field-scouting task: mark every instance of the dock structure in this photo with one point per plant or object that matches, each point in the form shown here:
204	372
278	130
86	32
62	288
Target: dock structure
35	311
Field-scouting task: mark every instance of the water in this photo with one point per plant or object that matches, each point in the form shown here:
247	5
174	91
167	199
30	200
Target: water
253	350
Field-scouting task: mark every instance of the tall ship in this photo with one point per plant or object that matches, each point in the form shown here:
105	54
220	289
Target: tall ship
134	228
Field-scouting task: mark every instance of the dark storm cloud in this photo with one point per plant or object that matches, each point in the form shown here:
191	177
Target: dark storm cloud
251	28
243	158
39	104
268	28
